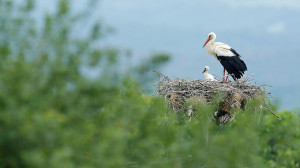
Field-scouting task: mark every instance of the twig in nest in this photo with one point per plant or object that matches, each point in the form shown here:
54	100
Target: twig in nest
268	109
160	74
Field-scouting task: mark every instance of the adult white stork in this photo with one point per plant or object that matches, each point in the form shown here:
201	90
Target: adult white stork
227	56
208	77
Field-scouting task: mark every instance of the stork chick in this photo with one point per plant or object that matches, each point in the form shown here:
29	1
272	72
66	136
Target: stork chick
208	77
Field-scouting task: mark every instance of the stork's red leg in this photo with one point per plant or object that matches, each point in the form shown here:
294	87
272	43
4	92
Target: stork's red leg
224	75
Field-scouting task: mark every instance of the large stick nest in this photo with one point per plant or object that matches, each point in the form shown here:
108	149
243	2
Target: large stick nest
234	94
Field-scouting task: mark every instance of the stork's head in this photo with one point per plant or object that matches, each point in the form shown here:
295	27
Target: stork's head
211	38
206	68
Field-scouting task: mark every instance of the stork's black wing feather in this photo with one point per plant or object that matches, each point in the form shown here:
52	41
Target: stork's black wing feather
235	53
234	65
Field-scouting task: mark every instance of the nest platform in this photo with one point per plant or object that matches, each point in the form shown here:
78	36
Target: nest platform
230	95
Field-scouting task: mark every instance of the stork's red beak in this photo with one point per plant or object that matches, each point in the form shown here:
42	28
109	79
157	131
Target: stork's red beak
206	42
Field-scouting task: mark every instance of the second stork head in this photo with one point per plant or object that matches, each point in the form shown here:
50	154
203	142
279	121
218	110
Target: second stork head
206	68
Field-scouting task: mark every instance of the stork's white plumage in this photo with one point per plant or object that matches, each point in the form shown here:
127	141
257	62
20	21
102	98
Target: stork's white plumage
227	56
208	77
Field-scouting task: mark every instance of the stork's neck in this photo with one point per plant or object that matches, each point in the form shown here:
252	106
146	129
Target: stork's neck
210	47
206	73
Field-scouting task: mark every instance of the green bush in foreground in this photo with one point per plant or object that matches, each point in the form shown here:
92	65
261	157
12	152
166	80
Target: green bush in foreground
254	139
132	131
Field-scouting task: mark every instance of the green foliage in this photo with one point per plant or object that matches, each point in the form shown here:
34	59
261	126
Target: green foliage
281	145
53	114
